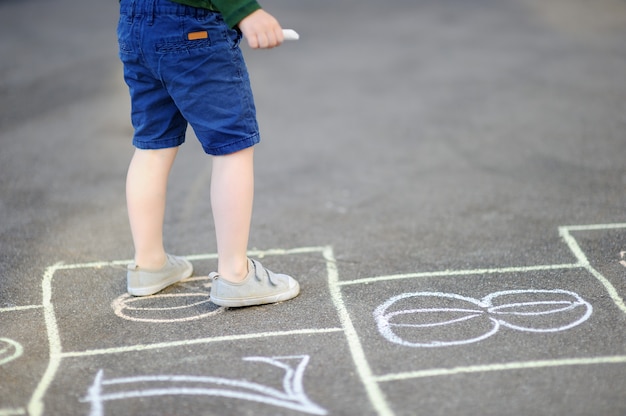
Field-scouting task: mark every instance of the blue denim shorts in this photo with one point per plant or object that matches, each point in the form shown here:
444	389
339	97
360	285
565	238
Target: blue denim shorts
183	65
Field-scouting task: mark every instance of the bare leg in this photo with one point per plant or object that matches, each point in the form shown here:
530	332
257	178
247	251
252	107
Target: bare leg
232	194
146	187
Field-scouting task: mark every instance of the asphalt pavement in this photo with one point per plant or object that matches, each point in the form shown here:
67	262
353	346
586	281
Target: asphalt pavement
445	178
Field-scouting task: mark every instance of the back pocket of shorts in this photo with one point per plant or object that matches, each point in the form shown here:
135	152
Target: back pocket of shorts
177	45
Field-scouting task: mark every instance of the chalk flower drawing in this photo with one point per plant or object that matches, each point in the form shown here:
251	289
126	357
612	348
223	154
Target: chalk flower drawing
291	397
9	350
433	319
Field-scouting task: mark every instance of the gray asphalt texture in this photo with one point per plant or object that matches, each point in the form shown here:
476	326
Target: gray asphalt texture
445	178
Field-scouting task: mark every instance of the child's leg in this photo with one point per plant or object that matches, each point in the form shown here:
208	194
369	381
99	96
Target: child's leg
146	186
240	281
232	192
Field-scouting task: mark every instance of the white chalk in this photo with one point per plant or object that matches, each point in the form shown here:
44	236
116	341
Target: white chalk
290	34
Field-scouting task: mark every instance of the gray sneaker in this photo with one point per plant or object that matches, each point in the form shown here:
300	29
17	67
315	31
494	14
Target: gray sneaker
259	287
142	282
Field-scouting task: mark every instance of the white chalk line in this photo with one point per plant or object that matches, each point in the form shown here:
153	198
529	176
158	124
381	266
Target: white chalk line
521	365
192	257
593	227
188	342
450	273
374	392
35	405
13	412
20	308
582	259
170	308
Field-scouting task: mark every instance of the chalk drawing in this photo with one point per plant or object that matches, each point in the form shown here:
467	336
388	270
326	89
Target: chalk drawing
9	350
291	397
522	314
429	319
621	256
183	307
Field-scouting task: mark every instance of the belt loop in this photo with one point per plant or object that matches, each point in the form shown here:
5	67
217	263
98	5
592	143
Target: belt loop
131	15
151	11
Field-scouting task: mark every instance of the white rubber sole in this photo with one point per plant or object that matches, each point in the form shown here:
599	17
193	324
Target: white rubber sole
238	302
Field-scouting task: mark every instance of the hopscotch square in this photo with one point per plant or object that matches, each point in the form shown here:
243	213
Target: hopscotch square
188	379
467	334
87	298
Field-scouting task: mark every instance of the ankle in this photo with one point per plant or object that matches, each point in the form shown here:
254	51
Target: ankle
151	262
234	274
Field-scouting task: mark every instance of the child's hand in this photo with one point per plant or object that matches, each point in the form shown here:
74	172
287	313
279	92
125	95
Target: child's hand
261	30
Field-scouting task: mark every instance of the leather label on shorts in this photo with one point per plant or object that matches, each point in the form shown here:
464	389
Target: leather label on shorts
197	35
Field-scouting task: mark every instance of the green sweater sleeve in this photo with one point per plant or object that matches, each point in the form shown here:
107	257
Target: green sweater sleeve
235	10
232	10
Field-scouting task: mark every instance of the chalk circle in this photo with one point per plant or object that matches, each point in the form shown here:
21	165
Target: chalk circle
9	350
165	307
538	310
433	319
